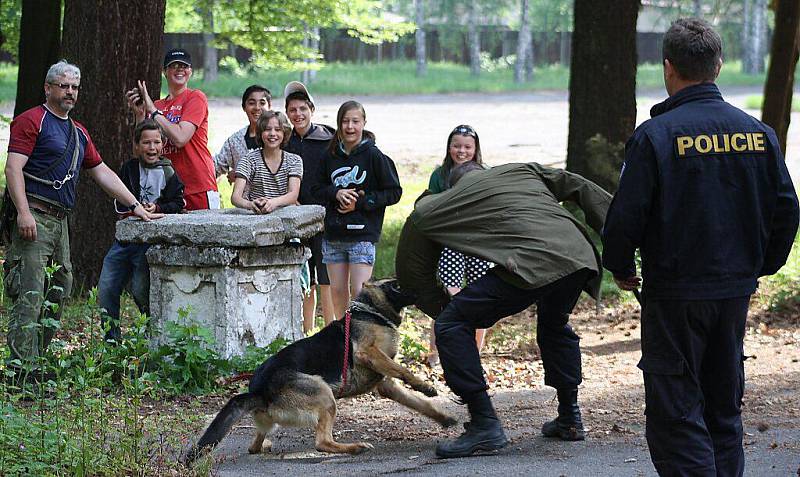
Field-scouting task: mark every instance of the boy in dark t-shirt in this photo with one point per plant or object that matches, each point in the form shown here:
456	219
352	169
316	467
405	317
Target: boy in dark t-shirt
154	182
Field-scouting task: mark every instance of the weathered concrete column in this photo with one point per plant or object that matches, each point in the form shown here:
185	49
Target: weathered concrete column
230	270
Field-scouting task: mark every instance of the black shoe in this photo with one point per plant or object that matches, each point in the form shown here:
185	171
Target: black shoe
479	435
568	426
566	431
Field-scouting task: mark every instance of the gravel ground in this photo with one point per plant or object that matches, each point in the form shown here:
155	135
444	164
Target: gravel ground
611	397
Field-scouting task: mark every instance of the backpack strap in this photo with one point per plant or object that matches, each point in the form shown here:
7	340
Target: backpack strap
76	150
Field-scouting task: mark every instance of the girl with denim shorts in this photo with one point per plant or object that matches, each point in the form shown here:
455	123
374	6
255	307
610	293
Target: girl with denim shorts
357	182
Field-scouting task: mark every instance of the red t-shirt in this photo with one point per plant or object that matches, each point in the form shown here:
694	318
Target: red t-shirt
192	162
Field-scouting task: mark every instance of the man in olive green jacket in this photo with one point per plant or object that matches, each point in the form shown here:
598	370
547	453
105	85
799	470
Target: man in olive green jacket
510	215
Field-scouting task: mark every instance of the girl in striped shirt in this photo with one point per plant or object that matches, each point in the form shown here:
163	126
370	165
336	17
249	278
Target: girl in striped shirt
272	174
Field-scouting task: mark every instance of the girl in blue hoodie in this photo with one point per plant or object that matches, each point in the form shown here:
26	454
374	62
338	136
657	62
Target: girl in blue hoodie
357	182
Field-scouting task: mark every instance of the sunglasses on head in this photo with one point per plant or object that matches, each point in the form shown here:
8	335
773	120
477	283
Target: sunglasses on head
465	130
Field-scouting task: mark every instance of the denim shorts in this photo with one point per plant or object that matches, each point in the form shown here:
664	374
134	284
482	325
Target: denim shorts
348	252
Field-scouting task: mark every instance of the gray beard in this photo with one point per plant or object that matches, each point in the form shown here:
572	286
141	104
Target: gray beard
66	107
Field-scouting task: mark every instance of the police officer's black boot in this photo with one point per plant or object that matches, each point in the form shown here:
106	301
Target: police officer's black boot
483	433
568	426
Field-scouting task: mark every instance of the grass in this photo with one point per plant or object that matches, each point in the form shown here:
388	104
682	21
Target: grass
757	100
8	82
398	77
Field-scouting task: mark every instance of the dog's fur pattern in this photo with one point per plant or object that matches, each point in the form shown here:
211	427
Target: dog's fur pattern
299	385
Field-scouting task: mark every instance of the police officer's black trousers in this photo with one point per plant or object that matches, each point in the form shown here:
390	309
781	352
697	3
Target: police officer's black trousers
487	300
692	359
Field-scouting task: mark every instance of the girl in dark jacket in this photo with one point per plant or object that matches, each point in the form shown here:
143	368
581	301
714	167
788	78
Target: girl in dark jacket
356	183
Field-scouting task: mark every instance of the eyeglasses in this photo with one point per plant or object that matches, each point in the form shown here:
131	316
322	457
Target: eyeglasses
67	86
178	66
465	130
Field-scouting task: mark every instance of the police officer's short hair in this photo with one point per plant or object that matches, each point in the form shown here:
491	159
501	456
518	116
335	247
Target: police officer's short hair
693	48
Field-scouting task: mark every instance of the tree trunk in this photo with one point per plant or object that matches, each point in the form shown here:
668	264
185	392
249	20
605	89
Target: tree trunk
419	38
304	75
97	35
602	88
777	107
210	58
698	9
523	42
474	40
39	43
529	63
564	47
759	36
746	33
754	33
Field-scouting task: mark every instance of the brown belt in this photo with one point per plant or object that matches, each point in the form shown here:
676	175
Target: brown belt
47	208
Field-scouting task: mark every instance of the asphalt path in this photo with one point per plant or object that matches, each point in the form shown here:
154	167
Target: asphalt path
603	454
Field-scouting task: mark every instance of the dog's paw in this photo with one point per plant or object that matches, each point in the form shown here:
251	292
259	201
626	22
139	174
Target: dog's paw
264	448
449	421
361	447
427	390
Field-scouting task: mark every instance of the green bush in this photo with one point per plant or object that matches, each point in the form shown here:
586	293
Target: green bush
781	292
254	356
413	345
94	417
188	363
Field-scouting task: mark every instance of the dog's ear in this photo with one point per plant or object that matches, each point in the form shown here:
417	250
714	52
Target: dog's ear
398	297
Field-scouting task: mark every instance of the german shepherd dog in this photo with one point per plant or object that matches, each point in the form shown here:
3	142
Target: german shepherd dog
299	385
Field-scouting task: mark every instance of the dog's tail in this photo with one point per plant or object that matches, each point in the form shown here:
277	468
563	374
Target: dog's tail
230	414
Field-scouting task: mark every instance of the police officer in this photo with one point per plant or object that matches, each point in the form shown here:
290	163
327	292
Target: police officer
509	215
706	197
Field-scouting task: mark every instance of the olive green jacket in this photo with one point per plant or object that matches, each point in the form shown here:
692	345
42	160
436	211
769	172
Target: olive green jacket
510	215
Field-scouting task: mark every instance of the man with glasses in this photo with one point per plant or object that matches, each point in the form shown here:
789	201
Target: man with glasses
183	115
46	152
510	215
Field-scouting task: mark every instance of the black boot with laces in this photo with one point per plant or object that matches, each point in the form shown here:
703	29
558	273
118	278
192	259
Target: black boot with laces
568	426
483	433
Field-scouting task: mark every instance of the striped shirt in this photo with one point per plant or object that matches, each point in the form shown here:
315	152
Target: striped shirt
262	181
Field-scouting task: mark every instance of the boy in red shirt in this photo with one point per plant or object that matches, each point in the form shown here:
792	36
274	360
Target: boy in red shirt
183	115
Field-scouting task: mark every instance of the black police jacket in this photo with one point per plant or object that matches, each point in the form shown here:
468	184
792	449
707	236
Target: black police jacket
706	197
312	148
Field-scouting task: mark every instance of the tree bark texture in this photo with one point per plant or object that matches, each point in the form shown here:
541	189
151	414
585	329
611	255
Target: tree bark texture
697	8
602	88
754	34
777	107
39	44
474	40
419	37
210	59
523	42
114	46
747	28
310	41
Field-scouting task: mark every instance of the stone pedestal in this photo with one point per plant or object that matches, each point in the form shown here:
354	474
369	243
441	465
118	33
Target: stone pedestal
232	271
